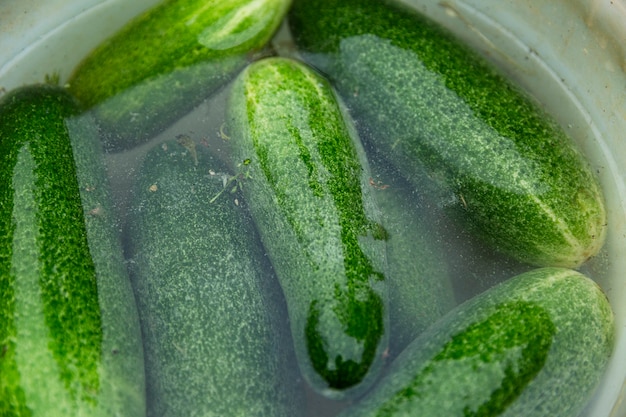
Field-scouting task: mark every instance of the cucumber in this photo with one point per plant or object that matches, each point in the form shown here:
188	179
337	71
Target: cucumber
433	104
533	346
215	335
308	192
419	283
167	60
70	341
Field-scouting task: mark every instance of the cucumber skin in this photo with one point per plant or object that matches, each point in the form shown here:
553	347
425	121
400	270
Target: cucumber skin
309	197
134	116
82	344
166	61
122	344
520	183
419	283
555	334
214	334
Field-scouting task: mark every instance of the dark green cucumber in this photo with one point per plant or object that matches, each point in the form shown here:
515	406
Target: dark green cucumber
433	104
534	346
69	332
419	284
309	195
167	60
215	331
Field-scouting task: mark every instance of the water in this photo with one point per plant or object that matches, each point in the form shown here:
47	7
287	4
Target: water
472	266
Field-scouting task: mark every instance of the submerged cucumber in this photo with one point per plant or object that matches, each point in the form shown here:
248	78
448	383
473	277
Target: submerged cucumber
69	333
216	339
533	346
432	103
167	60
419	285
308	193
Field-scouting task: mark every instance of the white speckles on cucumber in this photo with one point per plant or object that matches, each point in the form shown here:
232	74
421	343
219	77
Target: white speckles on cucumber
167	60
310	198
240	25
64	308
433	104
517	349
215	337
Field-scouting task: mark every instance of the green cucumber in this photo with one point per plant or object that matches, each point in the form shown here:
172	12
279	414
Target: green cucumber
432	104
70	343
419	284
216	338
167	60
534	346
309	195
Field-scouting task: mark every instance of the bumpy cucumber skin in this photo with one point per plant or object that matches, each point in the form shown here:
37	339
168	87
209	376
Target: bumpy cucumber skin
122	345
216	339
65	349
309	197
135	115
535	346
419	285
167	60
433	103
